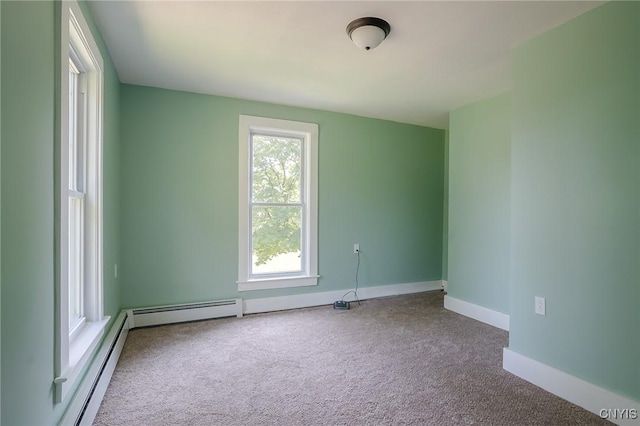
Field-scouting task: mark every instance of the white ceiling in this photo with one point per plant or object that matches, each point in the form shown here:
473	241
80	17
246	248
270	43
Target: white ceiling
438	56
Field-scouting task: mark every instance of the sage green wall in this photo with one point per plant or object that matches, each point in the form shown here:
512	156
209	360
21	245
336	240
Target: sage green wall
445	210
0	213
28	86
479	203
380	185
575	198
27	216
111	176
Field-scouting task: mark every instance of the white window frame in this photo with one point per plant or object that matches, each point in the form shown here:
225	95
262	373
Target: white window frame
73	351
308	133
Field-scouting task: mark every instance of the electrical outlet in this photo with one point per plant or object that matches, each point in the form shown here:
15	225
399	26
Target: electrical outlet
356	248
540	306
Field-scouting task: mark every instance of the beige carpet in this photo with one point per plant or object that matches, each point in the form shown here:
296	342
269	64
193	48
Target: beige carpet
402	360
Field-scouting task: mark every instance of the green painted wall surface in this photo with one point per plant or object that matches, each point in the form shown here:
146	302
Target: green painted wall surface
575	198
380	185
479	203
0	212
111	175
27	215
445	210
28	84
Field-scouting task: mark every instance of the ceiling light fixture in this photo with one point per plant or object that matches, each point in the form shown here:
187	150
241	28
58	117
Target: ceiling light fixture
368	33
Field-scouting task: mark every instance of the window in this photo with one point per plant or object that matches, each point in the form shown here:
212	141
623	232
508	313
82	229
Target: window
76	195
80	321
278	204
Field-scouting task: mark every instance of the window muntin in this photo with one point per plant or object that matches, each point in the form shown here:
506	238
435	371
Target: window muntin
278	204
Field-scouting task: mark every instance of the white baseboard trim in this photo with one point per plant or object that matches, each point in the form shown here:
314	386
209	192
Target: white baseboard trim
604	403
477	312
269	304
85	403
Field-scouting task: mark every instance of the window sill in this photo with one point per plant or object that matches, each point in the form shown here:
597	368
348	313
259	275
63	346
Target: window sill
280	282
80	351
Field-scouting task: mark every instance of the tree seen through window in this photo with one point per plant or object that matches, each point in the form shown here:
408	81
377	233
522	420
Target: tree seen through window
276	203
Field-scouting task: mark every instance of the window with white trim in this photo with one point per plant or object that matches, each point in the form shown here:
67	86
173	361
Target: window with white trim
80	323
76	194
278	203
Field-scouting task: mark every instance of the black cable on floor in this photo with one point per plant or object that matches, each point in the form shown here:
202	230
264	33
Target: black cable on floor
355	292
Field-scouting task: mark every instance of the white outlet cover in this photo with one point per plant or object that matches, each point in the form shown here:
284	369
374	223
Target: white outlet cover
540	306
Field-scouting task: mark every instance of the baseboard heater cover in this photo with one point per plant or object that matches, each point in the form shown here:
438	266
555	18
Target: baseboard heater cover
84	406
158	315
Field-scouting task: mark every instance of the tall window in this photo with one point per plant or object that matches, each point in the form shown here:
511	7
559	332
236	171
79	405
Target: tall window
75	193
278	204
80	322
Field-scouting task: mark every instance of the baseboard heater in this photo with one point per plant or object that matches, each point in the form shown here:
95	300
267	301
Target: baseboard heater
84	406
185	312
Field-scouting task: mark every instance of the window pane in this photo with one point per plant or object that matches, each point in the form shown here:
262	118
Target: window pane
73	127
275	239
76	260
276	163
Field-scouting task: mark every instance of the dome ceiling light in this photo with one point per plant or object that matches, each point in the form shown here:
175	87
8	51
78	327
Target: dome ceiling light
368	33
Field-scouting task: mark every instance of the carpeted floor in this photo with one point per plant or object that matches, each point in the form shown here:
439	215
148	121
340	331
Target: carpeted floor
401	360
